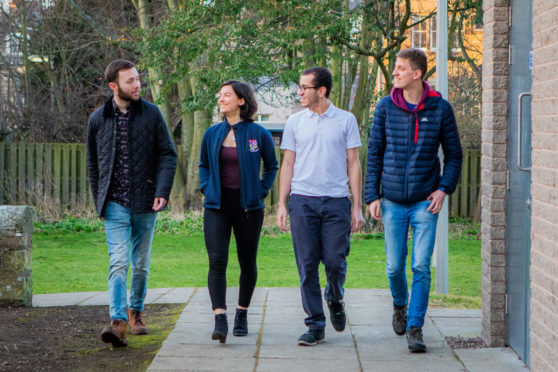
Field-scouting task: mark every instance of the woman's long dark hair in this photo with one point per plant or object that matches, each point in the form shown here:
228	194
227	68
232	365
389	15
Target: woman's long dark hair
243	90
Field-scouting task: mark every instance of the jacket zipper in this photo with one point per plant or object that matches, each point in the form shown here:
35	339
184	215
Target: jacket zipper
218	151
113	156
241	166
407	160
416	127
129	122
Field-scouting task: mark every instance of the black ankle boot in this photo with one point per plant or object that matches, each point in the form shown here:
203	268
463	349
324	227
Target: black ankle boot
221	328
240	322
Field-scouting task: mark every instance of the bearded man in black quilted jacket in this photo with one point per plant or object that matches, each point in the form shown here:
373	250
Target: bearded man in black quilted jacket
131	161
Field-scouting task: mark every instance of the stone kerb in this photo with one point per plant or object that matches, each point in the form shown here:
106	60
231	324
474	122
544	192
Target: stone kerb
16	235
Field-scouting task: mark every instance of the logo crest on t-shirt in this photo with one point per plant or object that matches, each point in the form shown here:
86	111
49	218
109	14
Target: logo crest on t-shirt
253	144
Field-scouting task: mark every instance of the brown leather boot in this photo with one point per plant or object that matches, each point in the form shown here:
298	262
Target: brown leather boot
136	322
115	333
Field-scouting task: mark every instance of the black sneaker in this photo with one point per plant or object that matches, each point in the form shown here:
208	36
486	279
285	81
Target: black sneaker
399	320
414	340
241	322
312	337
221	328
337	315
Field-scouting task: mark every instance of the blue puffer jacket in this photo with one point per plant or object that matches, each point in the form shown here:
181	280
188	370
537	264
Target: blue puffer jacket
254	144
403	149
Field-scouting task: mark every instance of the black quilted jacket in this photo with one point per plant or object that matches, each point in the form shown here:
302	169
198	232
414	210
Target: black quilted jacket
153	157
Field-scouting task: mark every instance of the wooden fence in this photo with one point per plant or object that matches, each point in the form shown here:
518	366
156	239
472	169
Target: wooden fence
464	202
57	172
39	172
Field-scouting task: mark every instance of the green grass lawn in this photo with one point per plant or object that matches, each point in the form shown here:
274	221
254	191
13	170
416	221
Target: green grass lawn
78	261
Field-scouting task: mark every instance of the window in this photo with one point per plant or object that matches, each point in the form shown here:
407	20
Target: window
418	33
433	33
262	117
12	46
455	46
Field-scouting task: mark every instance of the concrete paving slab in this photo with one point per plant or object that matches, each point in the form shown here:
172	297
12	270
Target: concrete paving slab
368	317
364	292
383	344
209	319
62	299
229	350
416	364
276	364
175	296
288	336
454	313
202	365
464	327
153	294
302	352
491	359
101	298
200	334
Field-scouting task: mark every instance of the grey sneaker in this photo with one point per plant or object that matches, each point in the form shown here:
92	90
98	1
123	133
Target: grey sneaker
399	320
414	340
312	337
337	315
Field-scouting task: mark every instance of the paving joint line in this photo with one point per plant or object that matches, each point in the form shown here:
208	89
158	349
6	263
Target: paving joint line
355	344
162	294
260	332
465	369
190	298
86	299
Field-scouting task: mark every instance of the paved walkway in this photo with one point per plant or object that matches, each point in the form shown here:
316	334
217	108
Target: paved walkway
276	320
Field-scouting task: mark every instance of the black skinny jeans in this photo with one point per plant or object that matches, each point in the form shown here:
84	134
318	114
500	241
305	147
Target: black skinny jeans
217	225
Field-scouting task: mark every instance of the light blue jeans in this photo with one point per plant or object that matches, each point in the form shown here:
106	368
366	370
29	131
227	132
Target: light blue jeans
125	230
397	218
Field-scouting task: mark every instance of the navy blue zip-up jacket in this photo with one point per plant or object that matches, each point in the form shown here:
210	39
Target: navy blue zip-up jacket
254	144
403	149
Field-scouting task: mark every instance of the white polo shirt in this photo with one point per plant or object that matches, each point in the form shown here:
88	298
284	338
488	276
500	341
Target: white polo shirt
321	143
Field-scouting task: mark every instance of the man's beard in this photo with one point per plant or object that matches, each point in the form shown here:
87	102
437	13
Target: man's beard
126	96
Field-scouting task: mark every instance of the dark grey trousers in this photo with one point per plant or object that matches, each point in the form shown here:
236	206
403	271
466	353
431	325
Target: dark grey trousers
320	228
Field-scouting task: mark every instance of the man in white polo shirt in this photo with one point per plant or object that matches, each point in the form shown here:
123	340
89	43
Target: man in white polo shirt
321	155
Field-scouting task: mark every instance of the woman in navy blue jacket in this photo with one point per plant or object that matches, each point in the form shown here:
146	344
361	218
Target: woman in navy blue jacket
231	156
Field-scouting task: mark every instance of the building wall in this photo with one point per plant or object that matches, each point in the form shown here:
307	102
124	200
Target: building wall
493	169
544	188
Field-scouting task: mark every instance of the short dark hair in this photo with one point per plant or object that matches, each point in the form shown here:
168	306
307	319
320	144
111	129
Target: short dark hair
322	78
243	90
111	72
417	59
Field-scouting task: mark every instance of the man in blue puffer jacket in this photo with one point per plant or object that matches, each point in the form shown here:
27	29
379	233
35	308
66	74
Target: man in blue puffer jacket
407	130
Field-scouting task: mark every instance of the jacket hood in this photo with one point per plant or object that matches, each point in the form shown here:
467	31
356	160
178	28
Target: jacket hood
399	101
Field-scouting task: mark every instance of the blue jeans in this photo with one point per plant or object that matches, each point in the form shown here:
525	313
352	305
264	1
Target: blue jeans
123	229
397	218
320	229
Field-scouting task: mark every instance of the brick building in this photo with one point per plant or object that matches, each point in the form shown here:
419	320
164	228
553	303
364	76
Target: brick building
520	179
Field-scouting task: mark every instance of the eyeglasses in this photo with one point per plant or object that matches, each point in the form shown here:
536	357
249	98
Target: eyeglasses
302	88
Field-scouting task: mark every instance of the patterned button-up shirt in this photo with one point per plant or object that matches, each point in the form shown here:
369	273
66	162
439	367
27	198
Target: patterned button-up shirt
120	185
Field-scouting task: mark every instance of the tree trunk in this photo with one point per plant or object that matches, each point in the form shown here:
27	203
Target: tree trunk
178	195
202	119
21	5
337	72
366	77
145	14
350	76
